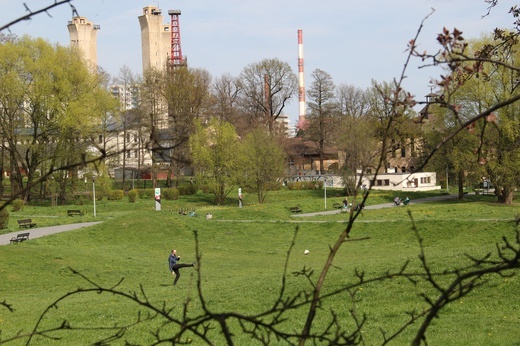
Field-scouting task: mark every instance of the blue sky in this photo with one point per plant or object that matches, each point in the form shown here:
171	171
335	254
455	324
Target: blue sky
354	41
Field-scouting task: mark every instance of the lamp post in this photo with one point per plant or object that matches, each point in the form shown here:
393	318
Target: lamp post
94	194
325	189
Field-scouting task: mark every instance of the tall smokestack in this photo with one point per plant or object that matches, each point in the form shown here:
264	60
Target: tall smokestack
301	83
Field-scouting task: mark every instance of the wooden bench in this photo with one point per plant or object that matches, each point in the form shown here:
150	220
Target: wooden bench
26	223
295	209
20	237
74	212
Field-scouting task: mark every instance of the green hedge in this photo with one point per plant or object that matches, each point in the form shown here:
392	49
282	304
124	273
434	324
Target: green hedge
115	195
305	185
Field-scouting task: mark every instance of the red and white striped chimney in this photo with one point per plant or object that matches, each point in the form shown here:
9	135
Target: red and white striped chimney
301	83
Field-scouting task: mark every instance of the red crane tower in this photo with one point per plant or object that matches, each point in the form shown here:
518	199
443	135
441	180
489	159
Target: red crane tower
176	52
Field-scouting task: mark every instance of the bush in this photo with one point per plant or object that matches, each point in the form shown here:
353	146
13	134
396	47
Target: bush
146	193
18	204
170	194
305	185
115	195
133	195
190	189
4	218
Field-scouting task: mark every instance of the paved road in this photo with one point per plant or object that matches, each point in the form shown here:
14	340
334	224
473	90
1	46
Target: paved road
380	206
43	231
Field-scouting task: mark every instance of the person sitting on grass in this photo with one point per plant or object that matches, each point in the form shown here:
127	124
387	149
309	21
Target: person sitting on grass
406	201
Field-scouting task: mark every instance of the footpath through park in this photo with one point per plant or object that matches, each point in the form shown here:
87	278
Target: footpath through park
38	232
380	206
5	239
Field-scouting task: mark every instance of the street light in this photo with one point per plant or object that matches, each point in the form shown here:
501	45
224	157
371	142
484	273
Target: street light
325	186
94	194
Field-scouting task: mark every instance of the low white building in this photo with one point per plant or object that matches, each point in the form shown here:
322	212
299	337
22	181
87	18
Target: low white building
420	181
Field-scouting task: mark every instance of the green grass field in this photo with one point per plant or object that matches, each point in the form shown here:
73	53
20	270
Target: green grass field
243	253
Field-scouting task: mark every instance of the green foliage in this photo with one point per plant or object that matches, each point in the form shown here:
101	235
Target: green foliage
4	218
188	189
133	195
63	103
115	195
305	185
215	157
146	193
170	194
261	162
18	204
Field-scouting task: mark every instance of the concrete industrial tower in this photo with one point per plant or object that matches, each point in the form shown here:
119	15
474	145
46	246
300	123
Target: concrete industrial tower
83	35
301	83
160	43
155	39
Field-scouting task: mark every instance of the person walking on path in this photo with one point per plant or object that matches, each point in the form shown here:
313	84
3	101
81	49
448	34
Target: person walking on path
174	266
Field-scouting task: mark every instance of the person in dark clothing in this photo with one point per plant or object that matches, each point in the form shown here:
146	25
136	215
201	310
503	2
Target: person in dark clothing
174	266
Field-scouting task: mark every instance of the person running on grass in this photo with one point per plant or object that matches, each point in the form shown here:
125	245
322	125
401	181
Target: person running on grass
174	266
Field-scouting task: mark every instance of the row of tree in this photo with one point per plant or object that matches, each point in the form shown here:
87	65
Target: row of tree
56	113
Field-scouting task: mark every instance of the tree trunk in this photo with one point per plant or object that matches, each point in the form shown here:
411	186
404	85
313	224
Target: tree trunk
505	195
461	184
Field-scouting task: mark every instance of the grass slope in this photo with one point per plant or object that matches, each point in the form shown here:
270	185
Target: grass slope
243	256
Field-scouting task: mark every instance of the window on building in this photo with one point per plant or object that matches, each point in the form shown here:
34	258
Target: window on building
426	180
100	139
403	169
403	151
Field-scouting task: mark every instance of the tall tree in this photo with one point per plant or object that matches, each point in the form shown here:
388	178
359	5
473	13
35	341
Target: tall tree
50	104
266	88
154	106
481	91
215	157
352	101
186	92
128	118
323	112
262	162
225	93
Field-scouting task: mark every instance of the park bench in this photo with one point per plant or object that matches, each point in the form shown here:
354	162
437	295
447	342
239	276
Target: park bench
20	237
295	209
337	205
74	212
26	223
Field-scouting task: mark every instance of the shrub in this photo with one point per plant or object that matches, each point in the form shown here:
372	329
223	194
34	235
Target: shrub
190	189
133	195
18	204
170	194
146	193
4	218
305	185
115	195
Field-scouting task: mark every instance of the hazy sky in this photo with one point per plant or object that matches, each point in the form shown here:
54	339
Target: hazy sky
354	41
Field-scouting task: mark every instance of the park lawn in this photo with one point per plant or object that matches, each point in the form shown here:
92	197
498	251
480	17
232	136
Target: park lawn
243	253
